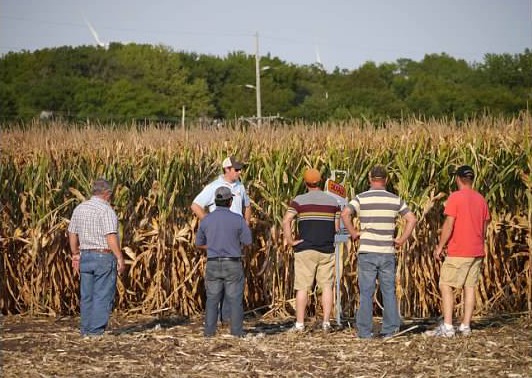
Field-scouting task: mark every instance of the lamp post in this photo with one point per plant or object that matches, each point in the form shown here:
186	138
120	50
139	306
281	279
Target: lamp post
257	80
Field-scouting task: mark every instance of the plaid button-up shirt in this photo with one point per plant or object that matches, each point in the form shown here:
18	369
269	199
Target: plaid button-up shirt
92	220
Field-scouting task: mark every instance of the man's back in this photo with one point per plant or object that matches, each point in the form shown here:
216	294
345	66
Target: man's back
470	211
223	232
316	212
92	220
377	210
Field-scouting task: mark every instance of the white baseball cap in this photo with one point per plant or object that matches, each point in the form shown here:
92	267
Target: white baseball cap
231	162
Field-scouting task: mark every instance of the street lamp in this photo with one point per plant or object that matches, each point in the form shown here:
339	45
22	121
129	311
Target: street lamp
262	69
257	80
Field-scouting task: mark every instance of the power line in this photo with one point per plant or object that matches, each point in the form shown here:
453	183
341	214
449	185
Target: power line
152	31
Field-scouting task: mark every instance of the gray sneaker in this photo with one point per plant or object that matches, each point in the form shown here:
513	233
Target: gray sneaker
440	331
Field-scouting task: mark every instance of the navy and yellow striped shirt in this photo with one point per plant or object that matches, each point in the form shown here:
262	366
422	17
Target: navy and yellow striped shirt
316	213
377	211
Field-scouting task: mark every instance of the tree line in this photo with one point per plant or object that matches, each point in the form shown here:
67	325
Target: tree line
146	82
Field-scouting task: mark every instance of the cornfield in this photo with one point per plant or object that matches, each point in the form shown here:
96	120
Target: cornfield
46	170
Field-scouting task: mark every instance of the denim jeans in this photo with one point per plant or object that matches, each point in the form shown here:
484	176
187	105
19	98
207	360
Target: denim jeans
98	286
224	279
370	267
225	311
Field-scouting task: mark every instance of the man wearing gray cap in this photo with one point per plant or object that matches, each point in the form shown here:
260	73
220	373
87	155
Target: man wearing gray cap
241	204
222	233
466	221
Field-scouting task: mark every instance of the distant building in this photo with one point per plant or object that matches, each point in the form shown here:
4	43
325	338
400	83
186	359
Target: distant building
46	115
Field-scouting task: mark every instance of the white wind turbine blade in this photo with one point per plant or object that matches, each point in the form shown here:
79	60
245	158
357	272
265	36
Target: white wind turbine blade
318	58
320	65
95	35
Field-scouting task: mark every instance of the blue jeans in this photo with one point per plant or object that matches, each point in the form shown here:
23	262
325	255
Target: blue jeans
98	286
225	311
224	279
370	267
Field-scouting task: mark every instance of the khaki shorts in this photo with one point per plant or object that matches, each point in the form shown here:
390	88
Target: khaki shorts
460	271
310	264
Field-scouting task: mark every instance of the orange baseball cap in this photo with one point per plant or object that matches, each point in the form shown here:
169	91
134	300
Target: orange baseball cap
312	176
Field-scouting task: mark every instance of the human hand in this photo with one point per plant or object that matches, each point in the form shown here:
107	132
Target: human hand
399	242
120	265
438	251
75	262
293	243
355	235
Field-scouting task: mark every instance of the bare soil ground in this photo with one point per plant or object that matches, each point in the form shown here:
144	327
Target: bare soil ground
174	347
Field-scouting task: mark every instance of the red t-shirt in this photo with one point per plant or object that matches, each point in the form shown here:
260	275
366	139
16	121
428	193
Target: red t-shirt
470	212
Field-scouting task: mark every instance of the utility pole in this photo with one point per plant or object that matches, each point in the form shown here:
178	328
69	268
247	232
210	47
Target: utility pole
183	117
257	80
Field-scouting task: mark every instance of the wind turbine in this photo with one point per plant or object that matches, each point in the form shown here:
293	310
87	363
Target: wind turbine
95	35
318	58
320	66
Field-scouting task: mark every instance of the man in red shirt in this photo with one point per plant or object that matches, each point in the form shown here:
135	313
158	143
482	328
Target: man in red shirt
467	218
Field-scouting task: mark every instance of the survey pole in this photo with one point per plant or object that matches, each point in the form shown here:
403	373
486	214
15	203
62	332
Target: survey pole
334	186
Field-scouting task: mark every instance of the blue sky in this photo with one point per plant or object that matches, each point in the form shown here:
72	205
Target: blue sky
345	33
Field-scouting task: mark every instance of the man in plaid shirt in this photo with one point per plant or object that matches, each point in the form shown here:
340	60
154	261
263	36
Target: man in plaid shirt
96	255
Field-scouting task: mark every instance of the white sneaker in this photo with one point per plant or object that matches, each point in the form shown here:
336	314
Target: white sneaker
297	328
326	327
440	331
464	330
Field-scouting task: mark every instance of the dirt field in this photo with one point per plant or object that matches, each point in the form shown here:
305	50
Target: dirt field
174	347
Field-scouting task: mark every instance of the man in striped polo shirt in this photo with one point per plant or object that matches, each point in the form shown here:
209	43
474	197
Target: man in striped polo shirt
377	210
318	219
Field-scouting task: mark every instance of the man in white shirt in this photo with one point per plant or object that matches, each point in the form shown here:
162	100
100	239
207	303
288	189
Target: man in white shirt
230	178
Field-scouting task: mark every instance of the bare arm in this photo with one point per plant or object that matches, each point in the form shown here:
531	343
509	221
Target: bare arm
114	245
486	228
73	240
348	222
287	229
247	214
446	232
199	211
411	221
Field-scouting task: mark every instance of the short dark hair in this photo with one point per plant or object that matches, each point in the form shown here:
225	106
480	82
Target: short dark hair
465	172
378	172
100	186
223	202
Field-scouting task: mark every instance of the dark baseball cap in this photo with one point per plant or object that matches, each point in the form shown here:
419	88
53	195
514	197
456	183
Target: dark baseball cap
465	171
378	172
223	193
